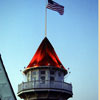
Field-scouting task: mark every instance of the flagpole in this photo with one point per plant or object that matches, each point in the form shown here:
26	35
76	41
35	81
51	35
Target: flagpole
46	20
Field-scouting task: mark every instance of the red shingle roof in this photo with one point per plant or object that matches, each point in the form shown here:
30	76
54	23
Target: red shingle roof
45	56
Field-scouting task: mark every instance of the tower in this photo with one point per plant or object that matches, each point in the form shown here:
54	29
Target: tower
45	76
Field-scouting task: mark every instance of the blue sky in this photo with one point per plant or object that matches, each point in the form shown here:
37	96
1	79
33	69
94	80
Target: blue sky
73	35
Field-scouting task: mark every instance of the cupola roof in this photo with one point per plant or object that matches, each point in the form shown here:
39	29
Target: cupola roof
45	56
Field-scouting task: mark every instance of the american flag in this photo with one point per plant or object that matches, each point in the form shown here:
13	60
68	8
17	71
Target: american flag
55	6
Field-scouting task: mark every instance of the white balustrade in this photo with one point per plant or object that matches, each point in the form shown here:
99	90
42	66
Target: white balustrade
44	85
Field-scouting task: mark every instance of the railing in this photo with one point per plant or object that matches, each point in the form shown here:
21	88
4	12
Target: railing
44	85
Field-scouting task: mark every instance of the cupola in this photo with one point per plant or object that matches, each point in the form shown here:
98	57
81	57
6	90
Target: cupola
45	76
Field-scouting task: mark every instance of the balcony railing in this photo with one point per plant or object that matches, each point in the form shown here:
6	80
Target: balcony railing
45	85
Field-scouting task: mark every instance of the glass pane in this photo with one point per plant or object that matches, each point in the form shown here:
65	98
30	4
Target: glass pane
52	72
43	79
34	73
33	78
42	72
52	78
59	73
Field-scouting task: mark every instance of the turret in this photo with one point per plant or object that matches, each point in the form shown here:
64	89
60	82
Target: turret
45	76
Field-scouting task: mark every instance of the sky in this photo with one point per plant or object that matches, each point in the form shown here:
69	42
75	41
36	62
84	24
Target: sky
73	35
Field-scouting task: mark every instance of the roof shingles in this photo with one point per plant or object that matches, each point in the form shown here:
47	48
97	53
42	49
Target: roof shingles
45	56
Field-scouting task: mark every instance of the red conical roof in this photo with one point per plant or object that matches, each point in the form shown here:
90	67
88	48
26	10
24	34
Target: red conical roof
45	56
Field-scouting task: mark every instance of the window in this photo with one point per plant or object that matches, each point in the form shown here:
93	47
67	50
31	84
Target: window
34	73
34	76
52	78
34	79
59	73
42	79
52	72
42	72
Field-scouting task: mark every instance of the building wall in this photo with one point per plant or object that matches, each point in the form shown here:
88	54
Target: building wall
59	76
36	75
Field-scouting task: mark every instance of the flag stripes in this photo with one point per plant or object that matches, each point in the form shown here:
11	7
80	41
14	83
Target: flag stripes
56	7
